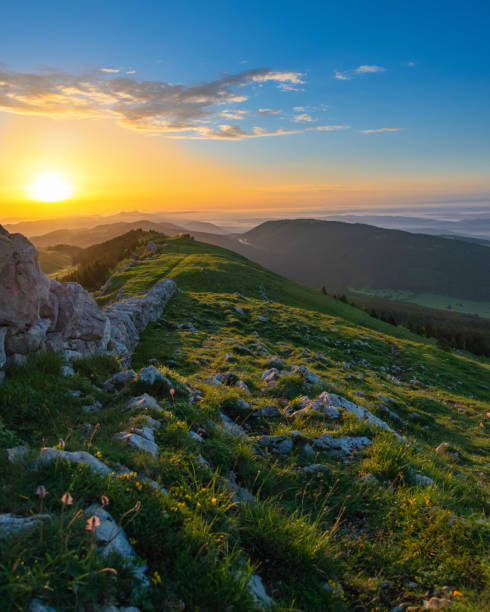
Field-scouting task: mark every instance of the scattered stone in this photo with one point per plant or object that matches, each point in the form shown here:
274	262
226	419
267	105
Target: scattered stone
11	524
256	588
17	453
423	480
315	468
280	445
306	405
230	426
308	375
240	494
277	363
36	605
436	603
195	436
267	412
369	478
239	310
67	370
240	384
114	540
50	455
242	405
143	402
119	381
342	447
94	407
150	375
270	376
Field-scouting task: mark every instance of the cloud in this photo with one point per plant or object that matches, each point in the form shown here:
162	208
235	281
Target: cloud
268	111
110	70
380	130
131	72
303	117
236	114
348	75
332	128
147	106
369	69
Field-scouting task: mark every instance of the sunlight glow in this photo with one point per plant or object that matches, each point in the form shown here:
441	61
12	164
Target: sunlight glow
50	187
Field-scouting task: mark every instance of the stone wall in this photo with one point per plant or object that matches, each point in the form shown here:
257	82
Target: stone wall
38	313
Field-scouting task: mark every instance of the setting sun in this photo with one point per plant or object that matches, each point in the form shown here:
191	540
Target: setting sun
50	187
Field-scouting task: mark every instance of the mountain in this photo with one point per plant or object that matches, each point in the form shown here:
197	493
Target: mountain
341	256
86	237
272	449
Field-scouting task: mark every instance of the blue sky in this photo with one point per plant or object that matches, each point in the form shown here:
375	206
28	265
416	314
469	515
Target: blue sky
404	87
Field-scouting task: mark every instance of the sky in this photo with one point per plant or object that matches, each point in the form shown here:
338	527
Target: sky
263	108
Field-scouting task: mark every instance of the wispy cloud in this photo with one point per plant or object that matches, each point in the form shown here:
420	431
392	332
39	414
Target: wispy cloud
332	128
303	117
110	70
381	130
149	106
268	111
348	75
236	114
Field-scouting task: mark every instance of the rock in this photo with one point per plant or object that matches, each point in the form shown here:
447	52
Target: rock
143	402
242	405
36	605
130	317
195	436
363	414
50	455
308	375
67	370
151	246
240	494
369	478
150	375
342	447
11	524
256	588
277	363
240	384
436	603
270	376
280	445
262	319
306	405
119	381
444	447
239	310
267	412
227	378
423	480
212	380
315	468
95	407
17	453
114	540
230	426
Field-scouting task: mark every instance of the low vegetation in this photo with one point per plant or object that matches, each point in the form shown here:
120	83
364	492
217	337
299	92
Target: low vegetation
366	532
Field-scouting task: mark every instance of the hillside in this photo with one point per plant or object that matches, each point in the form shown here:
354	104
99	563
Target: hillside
300	455
343	256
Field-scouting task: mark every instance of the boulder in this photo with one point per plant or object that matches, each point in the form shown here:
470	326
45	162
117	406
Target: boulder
119	381
50	455
342	447
143	402
114	540
11	524
280	445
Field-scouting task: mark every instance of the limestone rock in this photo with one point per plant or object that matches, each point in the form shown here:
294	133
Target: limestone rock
50	455
143	402
280	445
11	524
114	540
119	380
342	447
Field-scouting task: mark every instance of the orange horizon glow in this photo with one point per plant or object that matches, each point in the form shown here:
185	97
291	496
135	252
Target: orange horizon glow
97	167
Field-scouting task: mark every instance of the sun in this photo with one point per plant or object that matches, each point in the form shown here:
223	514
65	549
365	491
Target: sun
50	187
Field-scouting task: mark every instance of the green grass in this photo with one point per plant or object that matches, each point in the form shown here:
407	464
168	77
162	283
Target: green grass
430	300
54	262
304	531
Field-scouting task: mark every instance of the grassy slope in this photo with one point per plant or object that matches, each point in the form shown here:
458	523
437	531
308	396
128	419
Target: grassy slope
52	262
304	531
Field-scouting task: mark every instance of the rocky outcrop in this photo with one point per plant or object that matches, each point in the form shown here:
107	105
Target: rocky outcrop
130	317
38	313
